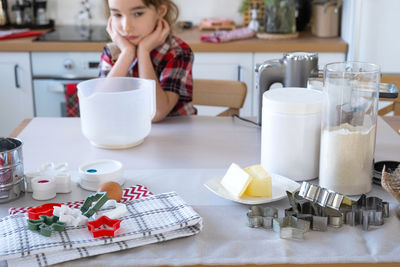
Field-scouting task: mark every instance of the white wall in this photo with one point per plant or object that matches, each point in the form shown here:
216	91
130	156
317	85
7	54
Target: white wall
195	10
65	11
371	28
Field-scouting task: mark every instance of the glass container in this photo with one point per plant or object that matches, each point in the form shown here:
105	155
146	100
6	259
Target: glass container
351	92
280	16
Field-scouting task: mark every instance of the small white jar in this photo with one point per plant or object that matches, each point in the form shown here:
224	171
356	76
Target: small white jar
291	131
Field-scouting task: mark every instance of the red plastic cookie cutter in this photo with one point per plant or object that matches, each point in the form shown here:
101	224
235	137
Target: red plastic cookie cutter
103	220
45	209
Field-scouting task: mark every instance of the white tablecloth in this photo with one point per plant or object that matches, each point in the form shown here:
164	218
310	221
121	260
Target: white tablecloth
226	239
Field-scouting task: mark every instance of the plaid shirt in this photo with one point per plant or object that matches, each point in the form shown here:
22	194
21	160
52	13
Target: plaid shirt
172	62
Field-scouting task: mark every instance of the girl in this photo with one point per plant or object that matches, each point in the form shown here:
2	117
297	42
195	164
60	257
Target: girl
143	47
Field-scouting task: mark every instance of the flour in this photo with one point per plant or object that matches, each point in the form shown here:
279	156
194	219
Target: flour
346	159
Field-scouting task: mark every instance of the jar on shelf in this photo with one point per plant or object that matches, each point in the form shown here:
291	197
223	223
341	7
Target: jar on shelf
280	16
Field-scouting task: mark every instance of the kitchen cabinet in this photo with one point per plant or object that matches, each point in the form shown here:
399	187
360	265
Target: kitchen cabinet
225	66
16	102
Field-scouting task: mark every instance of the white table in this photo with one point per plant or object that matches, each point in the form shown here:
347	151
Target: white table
179	155
187	142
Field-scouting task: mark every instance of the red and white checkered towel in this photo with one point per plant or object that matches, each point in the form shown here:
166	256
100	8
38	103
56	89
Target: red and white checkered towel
151	219
227	36
128	194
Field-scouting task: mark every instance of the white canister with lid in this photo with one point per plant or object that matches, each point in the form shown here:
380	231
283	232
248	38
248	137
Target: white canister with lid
290	133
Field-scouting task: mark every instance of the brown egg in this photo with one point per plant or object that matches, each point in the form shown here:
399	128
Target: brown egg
113	190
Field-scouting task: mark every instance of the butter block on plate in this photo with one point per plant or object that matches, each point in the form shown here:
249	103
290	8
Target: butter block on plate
236	180
261	184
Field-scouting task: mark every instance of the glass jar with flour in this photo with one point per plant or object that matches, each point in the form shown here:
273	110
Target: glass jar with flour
351	92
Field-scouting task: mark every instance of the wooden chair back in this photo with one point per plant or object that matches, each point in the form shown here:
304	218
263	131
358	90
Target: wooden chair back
220	93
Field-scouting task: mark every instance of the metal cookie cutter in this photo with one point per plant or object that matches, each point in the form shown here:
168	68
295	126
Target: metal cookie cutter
321	196
87	210
291	227
69	215
46	225
119	210
261	216
103	220
267	217
367	211
319	217
340	209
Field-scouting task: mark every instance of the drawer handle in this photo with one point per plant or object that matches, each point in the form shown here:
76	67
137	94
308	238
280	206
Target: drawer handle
17	85
239	73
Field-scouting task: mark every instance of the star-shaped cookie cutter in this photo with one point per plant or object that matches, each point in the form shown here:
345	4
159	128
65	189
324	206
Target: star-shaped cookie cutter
261	216
87	209
45	225
104	232
290	227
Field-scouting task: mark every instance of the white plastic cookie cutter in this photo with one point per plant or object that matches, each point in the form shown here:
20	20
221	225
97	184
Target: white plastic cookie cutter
69	215
119	211
49	180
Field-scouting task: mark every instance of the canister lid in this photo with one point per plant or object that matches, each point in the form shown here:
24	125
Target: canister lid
95	173
292	100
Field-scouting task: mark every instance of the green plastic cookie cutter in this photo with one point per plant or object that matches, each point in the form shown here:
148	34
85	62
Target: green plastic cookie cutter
45	225
100	197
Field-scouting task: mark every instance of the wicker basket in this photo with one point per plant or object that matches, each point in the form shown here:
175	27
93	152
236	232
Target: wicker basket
246	17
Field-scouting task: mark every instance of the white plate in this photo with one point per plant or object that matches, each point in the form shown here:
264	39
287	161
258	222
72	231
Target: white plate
280	185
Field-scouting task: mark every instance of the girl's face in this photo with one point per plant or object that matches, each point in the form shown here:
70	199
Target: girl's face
133	20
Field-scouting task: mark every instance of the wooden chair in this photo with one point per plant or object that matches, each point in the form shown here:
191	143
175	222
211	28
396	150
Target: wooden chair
220	93
395	106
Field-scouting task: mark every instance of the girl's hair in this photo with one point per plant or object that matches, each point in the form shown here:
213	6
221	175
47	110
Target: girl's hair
172	9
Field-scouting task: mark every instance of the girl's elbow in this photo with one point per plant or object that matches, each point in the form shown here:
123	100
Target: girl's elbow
160	116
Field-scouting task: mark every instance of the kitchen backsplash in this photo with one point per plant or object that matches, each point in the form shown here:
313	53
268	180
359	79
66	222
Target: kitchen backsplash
65	12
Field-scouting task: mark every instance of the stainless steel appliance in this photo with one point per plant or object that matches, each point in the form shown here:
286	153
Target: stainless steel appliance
295	70
51	71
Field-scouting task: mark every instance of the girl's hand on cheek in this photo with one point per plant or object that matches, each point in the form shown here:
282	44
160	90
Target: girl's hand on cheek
123	44
156	38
